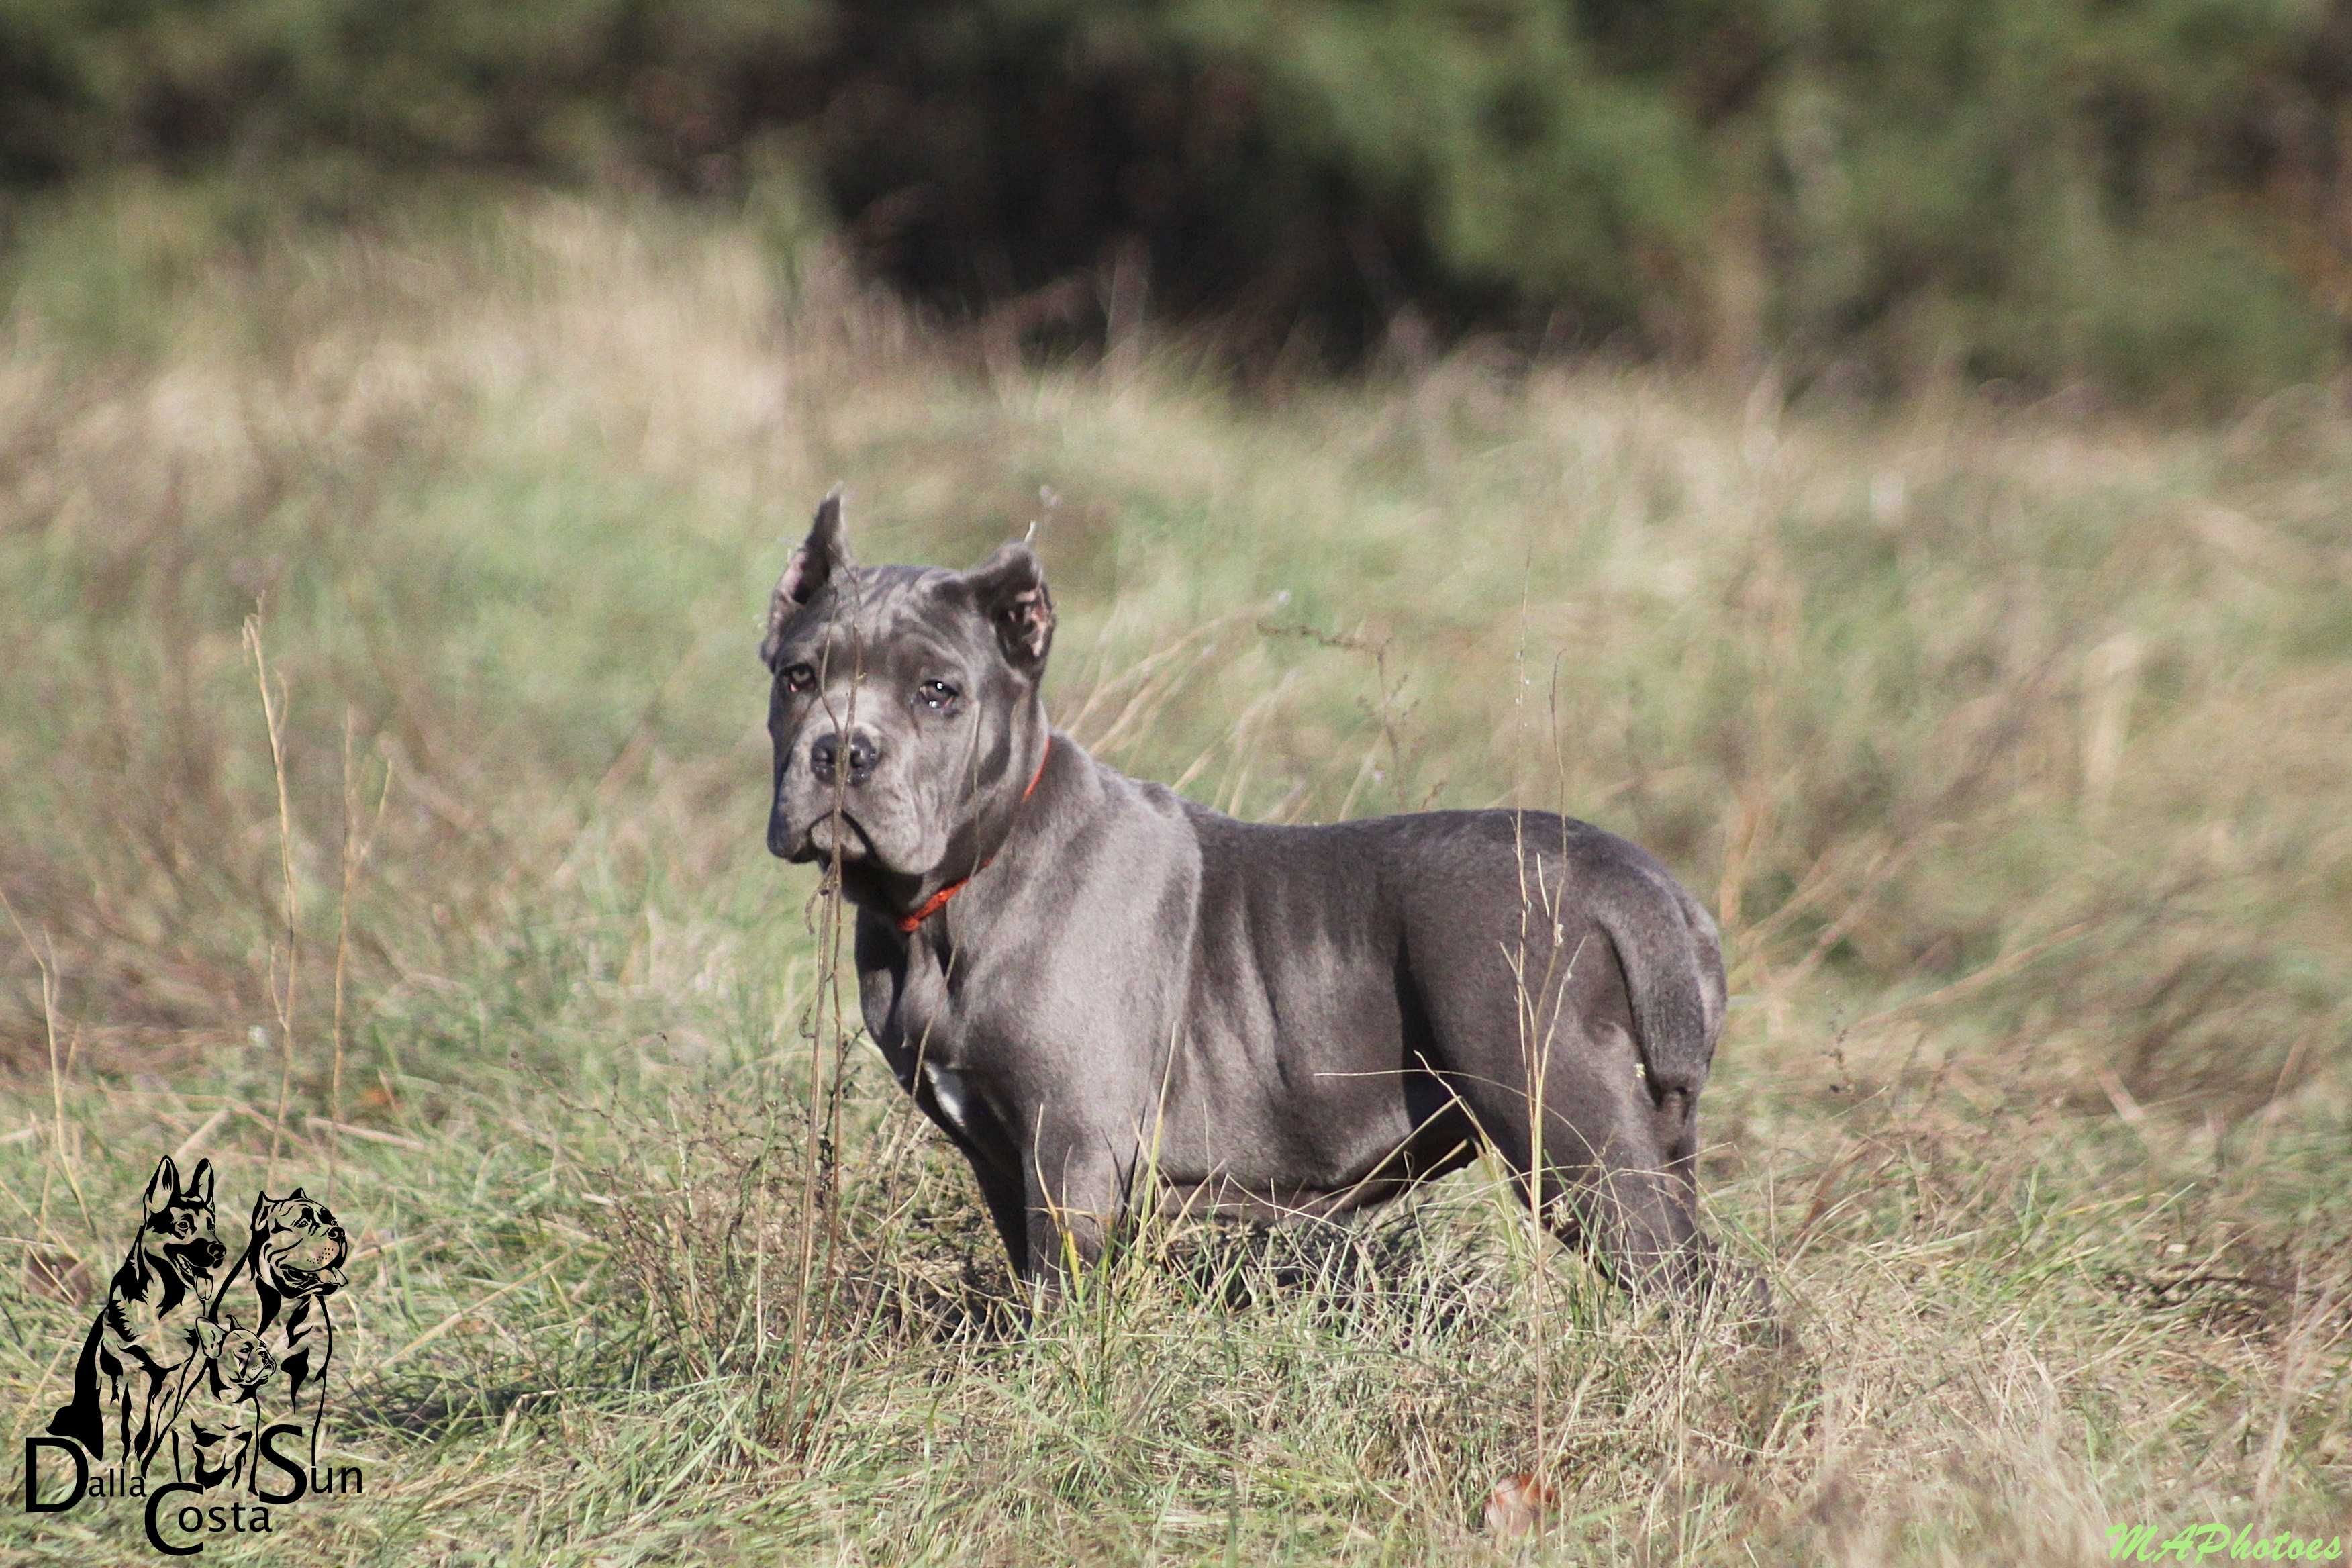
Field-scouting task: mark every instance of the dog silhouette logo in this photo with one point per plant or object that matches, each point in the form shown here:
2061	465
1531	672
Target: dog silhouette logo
196	1378
144	1337
222	1410
292	1265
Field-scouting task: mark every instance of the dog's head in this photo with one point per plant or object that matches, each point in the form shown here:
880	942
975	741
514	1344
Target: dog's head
299	1248
240	1361
178	1237
904	706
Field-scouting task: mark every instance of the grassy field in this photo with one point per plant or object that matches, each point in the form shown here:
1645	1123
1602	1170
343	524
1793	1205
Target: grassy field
385	783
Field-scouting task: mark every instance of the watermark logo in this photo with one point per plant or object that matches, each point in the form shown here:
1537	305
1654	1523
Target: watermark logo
2197	1543
201	1386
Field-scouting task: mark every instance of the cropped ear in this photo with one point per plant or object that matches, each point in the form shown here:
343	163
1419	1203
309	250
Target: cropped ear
200	1184
209	1335
824	552
163	1187
261	1202
1009	587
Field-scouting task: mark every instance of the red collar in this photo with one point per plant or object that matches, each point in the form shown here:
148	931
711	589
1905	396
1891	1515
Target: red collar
939	900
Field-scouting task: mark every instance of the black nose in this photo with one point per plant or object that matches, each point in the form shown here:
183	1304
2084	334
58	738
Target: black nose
825	757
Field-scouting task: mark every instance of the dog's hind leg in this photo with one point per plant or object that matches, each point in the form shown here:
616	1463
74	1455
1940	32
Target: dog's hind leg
1644	1230
1620	1202
1635	1209
1609	1173
84	1418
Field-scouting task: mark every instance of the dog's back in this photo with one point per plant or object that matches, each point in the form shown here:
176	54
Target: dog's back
1508	896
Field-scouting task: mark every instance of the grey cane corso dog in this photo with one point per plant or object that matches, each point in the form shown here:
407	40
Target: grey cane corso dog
1083	979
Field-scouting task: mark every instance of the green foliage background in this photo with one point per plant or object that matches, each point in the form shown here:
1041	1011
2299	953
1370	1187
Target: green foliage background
1887	193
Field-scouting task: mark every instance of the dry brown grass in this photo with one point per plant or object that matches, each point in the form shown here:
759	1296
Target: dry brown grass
2011	748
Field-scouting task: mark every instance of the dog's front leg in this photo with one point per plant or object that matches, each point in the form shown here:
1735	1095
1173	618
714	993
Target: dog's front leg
1074	1188
1002	1191
149	1394
119	1387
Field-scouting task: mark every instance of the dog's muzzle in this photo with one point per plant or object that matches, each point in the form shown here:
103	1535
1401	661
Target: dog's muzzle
828	753
201	1257
837	765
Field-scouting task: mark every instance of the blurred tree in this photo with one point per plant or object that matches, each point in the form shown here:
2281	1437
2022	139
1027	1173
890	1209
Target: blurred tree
1880	194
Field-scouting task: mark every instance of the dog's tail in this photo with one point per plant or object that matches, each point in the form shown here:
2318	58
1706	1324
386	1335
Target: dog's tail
1673	961
82	1420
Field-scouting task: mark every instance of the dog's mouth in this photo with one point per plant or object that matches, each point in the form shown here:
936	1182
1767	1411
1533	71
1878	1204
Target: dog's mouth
836	834
200	1258
308	1282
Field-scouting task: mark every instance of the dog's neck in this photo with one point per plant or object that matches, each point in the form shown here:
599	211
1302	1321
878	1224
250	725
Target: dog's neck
140	1273
222	1388
1006	825
300	1310
270	1296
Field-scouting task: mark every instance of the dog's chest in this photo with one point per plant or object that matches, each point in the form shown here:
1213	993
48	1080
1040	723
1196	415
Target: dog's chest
930	1021
937	1048
159	1337
921	1024
952	1094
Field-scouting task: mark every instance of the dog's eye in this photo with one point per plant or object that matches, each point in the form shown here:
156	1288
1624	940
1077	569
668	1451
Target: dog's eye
936	695
800	677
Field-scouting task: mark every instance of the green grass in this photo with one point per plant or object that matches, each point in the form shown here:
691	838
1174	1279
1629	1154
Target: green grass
2010	748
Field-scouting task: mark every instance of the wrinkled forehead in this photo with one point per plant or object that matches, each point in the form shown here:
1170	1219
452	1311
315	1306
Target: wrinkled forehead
877	617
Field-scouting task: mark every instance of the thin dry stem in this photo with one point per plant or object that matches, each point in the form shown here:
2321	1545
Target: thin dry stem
284	996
